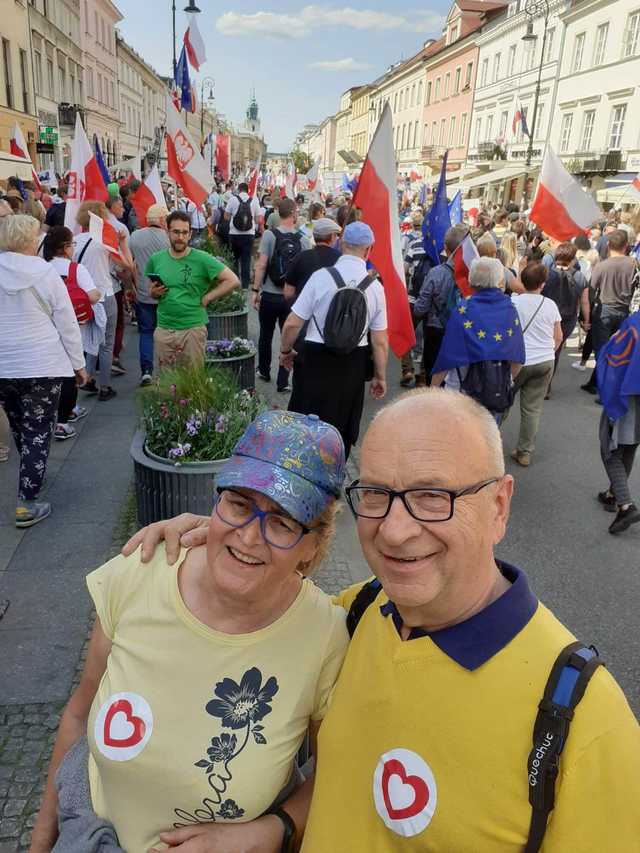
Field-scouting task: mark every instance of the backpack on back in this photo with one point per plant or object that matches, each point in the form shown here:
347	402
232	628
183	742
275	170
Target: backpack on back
347	316
570	674
419	274
79	299
490	384
562	289
243	217
288	246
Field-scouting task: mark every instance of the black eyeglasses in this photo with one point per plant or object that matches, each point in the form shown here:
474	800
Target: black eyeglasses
281	531
424	504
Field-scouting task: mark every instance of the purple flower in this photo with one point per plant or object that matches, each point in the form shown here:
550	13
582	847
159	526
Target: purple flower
193	425
180	450
183	402
221	423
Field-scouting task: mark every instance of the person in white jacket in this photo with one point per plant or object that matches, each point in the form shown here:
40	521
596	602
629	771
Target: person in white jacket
40	345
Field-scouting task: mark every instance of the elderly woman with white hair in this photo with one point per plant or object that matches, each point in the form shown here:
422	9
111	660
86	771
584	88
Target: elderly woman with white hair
483	347
40	345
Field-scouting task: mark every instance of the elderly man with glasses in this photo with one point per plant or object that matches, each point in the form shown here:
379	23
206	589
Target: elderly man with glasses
427	744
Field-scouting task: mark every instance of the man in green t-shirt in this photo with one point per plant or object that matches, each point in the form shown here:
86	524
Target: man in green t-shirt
185	281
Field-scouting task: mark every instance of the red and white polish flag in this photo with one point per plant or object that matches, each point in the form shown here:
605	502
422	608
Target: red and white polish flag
376	196
253	178
18	147
290	181
185	164
223	142
463	257
105	235
84	179
194	43
148	193
561	208
635	184
312	175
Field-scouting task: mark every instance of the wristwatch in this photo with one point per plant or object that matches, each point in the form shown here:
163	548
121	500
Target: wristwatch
289	837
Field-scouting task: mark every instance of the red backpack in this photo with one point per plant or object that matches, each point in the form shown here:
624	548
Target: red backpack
79	299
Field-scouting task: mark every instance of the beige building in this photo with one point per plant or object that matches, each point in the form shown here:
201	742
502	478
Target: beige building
58	77
17	97
98	21
360	123
344	158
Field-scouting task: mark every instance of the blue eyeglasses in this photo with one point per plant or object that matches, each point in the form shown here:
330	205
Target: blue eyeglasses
281	531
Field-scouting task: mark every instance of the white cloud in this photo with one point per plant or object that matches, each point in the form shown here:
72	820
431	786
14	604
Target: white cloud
348	64
310	18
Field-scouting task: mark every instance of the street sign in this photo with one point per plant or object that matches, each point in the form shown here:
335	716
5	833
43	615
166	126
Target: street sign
45	148
49	135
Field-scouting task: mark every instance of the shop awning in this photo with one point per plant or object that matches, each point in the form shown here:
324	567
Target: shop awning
496	176
621	194
620	179
14	167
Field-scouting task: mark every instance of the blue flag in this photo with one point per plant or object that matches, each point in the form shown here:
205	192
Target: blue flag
183	83
455	209
100	161
483	327
437	222
618	368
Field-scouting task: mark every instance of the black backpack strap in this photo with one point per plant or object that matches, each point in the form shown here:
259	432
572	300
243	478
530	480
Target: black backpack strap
366	281
84	249
566	685
367	594
335	275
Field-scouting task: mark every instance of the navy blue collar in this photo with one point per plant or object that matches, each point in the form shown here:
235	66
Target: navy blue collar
476	640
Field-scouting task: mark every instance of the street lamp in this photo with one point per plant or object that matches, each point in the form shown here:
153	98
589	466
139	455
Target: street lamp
190	8
534	8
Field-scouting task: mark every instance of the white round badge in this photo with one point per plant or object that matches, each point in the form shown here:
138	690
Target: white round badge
405	792
123	726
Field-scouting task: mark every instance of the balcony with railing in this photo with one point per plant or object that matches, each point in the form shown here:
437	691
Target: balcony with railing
67	114
433	152
602	160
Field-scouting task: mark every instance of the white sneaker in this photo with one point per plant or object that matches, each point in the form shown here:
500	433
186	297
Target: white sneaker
578	365
146	380
63	432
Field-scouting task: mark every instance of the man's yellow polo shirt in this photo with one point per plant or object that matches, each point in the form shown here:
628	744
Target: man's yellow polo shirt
425	744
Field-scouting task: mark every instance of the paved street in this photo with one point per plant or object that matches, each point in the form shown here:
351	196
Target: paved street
558	534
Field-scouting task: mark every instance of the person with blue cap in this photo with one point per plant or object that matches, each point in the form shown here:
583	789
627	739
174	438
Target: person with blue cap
201	684
343	308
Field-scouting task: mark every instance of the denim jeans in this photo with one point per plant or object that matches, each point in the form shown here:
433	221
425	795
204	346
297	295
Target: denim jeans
105	353
273	309
147	322
242	246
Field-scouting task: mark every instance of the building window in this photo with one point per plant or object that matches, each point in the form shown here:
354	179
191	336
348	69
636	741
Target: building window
447	84
468	75
578	51
456	85
631	35
548	47
434	133
62	77
428	92
24	79
413	95
401	101
463	129
50	79
538	134
453	33
496	66
99	89
588	123
415	133
420	93
37	64
529	56
395	103
103	33
600	50
618	116
437	93
97	27
477	132
504	118
452	131
90	89
488	134
425	141
484	71
565	132
6	66
402	138
511	61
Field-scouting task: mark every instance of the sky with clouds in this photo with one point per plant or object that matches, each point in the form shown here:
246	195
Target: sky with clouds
299	58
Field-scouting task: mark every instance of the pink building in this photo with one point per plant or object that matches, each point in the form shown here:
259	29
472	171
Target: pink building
451	69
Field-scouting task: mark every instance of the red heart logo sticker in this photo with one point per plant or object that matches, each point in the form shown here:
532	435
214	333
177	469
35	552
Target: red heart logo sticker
136	724
394	767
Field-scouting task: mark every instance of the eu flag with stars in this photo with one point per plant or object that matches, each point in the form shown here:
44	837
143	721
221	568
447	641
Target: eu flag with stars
484	327
437	222
183	82
618	368
455	209
100	161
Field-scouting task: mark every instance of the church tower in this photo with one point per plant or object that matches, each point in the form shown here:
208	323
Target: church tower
252	122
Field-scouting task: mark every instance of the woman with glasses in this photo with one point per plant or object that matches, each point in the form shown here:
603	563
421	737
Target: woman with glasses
58	248
200	685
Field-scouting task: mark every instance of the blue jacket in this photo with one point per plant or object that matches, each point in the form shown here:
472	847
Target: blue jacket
434	295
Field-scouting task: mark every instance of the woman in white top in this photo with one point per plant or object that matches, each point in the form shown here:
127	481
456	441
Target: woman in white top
40	345
58	250
540	323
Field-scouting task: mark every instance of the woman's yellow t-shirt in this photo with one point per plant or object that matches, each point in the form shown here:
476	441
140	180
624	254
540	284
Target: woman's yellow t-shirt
190	725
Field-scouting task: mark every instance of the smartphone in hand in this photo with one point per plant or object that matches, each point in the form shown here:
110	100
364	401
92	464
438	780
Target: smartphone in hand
158	287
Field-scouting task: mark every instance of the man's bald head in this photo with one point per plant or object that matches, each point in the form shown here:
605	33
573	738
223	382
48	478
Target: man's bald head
455	415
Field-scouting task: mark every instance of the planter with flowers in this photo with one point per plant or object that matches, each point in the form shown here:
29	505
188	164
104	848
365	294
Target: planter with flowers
237	356
228	317
191	421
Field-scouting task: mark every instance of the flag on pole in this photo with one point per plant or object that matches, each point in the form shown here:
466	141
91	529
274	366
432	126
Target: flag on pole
561	207
194	43
455	209
520	119
291	181
414	175
222	154
253	177
100	160
635	184
437	221
84	179
377	198
312	175
184	162
193	108
18	147
105	234
463	257
183	83
149	192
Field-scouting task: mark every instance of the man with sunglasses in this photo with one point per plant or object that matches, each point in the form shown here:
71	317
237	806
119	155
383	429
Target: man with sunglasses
185	281
426	743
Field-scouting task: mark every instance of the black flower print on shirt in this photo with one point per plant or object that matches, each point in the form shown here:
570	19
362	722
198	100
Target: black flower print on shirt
240	707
